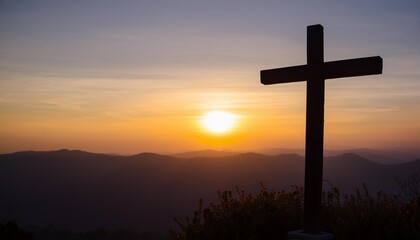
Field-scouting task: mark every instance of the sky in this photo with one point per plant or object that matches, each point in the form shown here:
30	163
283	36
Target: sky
133	76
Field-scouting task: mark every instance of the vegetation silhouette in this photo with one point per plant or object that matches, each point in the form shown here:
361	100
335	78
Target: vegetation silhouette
270	215
11	231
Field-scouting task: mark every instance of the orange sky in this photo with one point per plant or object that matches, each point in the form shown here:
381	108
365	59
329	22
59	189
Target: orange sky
131	77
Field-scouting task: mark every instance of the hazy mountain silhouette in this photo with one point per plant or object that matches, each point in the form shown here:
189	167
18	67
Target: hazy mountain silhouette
376	155
204	153
81	190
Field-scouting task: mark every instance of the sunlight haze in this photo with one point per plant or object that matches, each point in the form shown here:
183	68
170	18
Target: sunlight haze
134	76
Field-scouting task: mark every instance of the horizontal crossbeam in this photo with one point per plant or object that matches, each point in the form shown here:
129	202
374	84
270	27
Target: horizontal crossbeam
284	75
335	69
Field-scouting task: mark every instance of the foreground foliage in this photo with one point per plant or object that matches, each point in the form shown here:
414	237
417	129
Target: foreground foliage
269	215
11	231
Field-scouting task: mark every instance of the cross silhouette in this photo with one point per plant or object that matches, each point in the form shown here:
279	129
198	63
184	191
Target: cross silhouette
315	72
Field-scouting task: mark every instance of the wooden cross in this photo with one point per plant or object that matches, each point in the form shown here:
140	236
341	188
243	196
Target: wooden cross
315	72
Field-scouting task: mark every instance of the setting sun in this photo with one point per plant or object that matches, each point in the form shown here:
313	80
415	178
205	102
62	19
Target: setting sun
218	121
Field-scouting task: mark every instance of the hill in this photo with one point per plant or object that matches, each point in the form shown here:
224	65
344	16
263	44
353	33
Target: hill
388	156
81	190
204	153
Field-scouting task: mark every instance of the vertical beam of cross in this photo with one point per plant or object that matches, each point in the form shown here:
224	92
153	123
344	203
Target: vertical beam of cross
314	129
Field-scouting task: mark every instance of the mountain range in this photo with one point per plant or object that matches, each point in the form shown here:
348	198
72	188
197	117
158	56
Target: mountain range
80	190
388	156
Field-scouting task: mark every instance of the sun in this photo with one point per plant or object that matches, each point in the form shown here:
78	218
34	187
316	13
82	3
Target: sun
218	121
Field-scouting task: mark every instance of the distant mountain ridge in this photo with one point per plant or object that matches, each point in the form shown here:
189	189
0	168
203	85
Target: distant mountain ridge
377	155
77	189
204	153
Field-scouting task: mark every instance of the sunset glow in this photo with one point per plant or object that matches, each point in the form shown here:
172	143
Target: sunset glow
219	121
133	76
